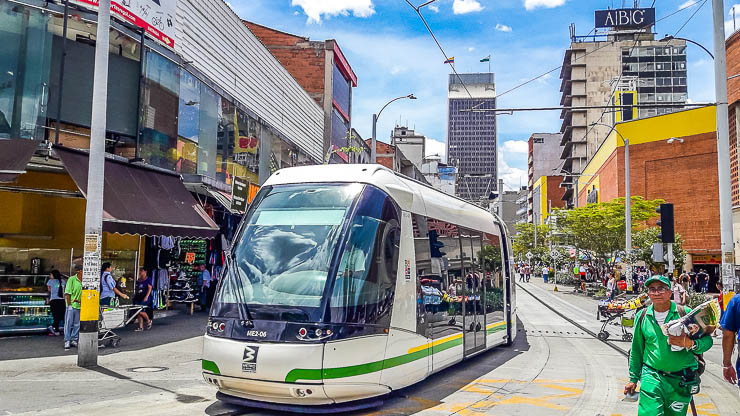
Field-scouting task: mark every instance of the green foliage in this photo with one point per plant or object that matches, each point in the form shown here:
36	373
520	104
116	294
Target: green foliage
599	228
490	257
694	299
643	241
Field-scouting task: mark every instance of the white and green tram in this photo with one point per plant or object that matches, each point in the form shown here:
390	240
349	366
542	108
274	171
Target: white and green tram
346	282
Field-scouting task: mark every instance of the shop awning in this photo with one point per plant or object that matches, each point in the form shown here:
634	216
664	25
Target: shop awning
14	156
142	200
224	199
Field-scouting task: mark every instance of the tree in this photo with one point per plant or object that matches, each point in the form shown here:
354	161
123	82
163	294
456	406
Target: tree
643	241
599	228
524	242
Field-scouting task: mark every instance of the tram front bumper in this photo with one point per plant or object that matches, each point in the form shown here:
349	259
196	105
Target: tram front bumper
270	391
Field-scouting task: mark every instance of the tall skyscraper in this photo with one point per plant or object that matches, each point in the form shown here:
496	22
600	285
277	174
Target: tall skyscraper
471	135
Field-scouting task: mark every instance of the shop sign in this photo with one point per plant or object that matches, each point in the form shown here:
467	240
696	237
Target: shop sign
157	17
624	18
239	194
190	258
707	259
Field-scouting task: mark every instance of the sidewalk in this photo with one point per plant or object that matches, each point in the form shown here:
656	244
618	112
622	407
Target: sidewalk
171	328
582	310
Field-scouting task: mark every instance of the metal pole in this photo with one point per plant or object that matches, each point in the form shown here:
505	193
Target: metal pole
723	145
670	258
577	179
627	214
61	72
373	149
87	354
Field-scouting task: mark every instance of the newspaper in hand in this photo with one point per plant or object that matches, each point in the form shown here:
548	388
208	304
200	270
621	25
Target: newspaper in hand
701	321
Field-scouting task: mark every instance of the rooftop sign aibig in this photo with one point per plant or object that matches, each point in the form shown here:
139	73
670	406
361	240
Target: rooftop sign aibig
624	18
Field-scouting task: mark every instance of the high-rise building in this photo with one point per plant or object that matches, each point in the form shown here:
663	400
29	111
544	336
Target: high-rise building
471	135
544	160
622	64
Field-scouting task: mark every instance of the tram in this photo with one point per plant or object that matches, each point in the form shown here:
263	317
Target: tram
346	282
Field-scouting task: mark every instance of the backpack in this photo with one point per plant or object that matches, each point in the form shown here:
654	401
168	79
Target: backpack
699	357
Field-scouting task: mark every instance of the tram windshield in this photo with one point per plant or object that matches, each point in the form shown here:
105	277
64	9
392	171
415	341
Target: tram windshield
284	255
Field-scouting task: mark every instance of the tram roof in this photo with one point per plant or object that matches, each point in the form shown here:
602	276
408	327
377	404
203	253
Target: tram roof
410	194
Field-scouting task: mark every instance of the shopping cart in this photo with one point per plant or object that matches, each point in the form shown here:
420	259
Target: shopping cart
609	311
115	318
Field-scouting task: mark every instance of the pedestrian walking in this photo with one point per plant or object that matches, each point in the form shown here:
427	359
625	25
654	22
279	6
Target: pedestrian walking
108	289
73	300
143	297
679	293
611	286
55	286
730	324
703	281
545	273
666	376
204	282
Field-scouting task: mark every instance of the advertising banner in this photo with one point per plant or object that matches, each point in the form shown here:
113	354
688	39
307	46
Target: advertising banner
156	16
239	194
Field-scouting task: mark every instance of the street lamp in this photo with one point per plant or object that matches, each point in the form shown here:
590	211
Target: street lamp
373	150
668	37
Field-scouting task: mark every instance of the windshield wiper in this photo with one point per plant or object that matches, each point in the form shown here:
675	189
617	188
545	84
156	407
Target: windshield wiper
242	307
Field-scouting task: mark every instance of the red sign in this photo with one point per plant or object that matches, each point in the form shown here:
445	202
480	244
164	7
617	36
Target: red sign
190	258
156	19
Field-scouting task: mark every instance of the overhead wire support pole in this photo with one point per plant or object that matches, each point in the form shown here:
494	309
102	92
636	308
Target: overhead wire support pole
729	282
87	353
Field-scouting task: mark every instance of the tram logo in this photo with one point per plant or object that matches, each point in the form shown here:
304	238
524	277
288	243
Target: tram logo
249	360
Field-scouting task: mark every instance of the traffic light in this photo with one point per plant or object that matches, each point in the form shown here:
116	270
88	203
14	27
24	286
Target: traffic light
667	234
435	245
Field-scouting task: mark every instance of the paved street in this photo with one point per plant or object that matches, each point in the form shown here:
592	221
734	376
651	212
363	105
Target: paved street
553	368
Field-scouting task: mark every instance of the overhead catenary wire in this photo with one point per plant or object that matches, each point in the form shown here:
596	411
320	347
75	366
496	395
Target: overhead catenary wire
690	17
429	29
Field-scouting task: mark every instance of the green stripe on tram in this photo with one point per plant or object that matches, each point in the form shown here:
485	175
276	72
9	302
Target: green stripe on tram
210	366
360	369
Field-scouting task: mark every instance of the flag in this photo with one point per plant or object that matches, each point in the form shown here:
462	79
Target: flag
451	60
486	59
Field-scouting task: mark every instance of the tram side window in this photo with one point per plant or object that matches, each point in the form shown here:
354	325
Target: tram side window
364	286
433	242
491	259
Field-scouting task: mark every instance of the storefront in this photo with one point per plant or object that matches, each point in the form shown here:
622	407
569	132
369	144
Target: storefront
43	226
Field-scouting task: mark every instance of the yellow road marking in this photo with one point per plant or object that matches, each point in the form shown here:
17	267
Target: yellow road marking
496	324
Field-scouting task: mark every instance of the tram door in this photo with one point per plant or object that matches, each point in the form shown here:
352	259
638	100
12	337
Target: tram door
473	302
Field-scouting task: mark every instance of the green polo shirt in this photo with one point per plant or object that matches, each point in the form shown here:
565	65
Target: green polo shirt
74	290
650	346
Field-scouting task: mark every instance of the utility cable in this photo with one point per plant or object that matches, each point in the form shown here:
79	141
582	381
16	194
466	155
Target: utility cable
690	17
452	65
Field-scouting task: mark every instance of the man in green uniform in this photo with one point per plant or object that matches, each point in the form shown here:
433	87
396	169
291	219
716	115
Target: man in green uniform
665	375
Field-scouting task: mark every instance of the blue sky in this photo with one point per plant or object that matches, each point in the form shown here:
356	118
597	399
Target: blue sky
392	54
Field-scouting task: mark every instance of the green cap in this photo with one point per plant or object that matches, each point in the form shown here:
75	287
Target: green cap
658	278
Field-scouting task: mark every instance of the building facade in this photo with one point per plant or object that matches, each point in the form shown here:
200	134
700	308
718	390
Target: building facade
618	66
672	157
440	175
192	129
506	205
412	144
471	135
543	160
732	48
545	195
324	72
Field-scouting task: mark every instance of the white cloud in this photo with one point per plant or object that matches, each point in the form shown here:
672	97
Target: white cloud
434	8
548	4
687	4
503	28
397	69
314	9
466	6
471	49
513	177
436	147
515	146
